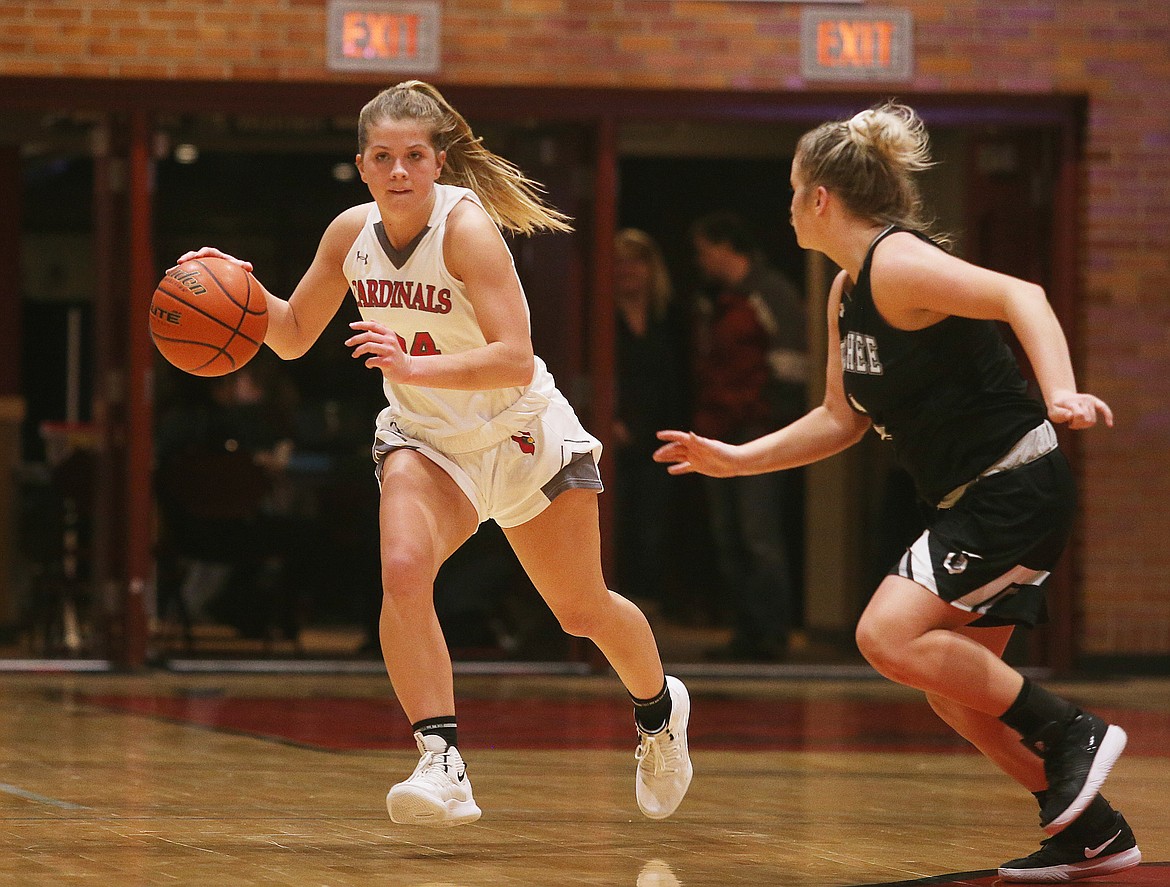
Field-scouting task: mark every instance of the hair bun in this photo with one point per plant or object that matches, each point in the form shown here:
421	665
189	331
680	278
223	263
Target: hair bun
861	125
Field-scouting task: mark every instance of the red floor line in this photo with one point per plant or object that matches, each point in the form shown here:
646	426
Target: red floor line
790	725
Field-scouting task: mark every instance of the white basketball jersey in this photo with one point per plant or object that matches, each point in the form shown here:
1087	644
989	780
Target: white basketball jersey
411	292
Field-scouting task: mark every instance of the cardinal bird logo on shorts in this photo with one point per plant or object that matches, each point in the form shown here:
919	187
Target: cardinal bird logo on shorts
526	442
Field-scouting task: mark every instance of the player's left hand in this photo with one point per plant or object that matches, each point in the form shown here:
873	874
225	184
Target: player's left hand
1078	410
385	349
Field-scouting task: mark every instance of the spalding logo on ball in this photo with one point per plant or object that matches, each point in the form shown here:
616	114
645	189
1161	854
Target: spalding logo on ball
208	317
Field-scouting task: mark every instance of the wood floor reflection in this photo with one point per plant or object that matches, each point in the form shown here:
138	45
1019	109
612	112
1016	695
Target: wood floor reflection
209	780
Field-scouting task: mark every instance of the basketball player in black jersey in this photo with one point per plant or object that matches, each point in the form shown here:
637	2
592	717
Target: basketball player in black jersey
916	355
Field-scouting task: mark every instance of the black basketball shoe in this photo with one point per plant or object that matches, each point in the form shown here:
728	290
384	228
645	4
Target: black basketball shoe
1076	762
1078	853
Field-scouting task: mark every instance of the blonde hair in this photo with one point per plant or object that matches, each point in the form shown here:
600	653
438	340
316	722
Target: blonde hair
513	200
633	243
869	162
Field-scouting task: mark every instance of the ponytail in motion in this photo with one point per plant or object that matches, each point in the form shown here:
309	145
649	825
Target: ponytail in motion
514	201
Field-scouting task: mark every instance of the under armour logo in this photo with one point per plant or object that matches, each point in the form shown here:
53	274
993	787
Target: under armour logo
364	258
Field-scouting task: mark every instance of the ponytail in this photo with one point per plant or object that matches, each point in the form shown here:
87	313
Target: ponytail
870	162
514	201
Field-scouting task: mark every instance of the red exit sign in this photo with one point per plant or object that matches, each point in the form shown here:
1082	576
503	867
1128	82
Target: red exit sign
851	44
366	35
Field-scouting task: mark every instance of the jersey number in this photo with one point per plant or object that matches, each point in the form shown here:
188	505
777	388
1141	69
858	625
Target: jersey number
423	344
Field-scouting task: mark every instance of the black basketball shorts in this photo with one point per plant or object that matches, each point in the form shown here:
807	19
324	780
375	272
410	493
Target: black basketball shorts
991	553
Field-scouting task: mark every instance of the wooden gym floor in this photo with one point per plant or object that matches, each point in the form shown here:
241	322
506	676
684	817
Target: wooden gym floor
218	779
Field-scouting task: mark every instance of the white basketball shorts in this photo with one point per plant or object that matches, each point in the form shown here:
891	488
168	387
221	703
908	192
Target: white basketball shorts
514	479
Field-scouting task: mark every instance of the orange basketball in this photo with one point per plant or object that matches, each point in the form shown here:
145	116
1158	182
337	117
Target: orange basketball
208	317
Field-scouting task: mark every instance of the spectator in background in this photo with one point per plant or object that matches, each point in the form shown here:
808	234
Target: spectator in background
651	383
219	447
750	376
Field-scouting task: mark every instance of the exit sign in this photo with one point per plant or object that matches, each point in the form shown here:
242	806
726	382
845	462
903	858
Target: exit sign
856	44
368	35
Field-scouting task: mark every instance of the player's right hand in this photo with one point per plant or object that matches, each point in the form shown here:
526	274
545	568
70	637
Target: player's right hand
210	252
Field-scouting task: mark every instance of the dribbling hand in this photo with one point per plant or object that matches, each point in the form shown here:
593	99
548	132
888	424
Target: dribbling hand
206	252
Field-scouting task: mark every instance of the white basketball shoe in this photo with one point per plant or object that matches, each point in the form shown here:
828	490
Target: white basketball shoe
438	792
664	764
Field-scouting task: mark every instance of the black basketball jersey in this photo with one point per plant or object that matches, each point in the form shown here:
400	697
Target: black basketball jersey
950	397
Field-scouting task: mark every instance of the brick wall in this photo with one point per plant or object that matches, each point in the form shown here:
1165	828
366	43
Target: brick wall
1117	52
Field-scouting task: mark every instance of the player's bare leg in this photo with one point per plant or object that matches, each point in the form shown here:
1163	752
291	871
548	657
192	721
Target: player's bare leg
970	673
424	518
911	636
560	550
998	742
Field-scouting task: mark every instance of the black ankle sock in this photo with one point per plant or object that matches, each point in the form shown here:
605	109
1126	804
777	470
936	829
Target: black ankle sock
1037	714
444	727
651	715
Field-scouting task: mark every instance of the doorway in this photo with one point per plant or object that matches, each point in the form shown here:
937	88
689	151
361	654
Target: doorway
857	511
677	157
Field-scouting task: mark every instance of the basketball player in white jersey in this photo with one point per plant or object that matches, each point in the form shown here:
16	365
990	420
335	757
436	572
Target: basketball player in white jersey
475	429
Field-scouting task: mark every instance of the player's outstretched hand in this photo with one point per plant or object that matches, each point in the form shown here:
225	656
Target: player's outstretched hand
1078	410
206	252
685	452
